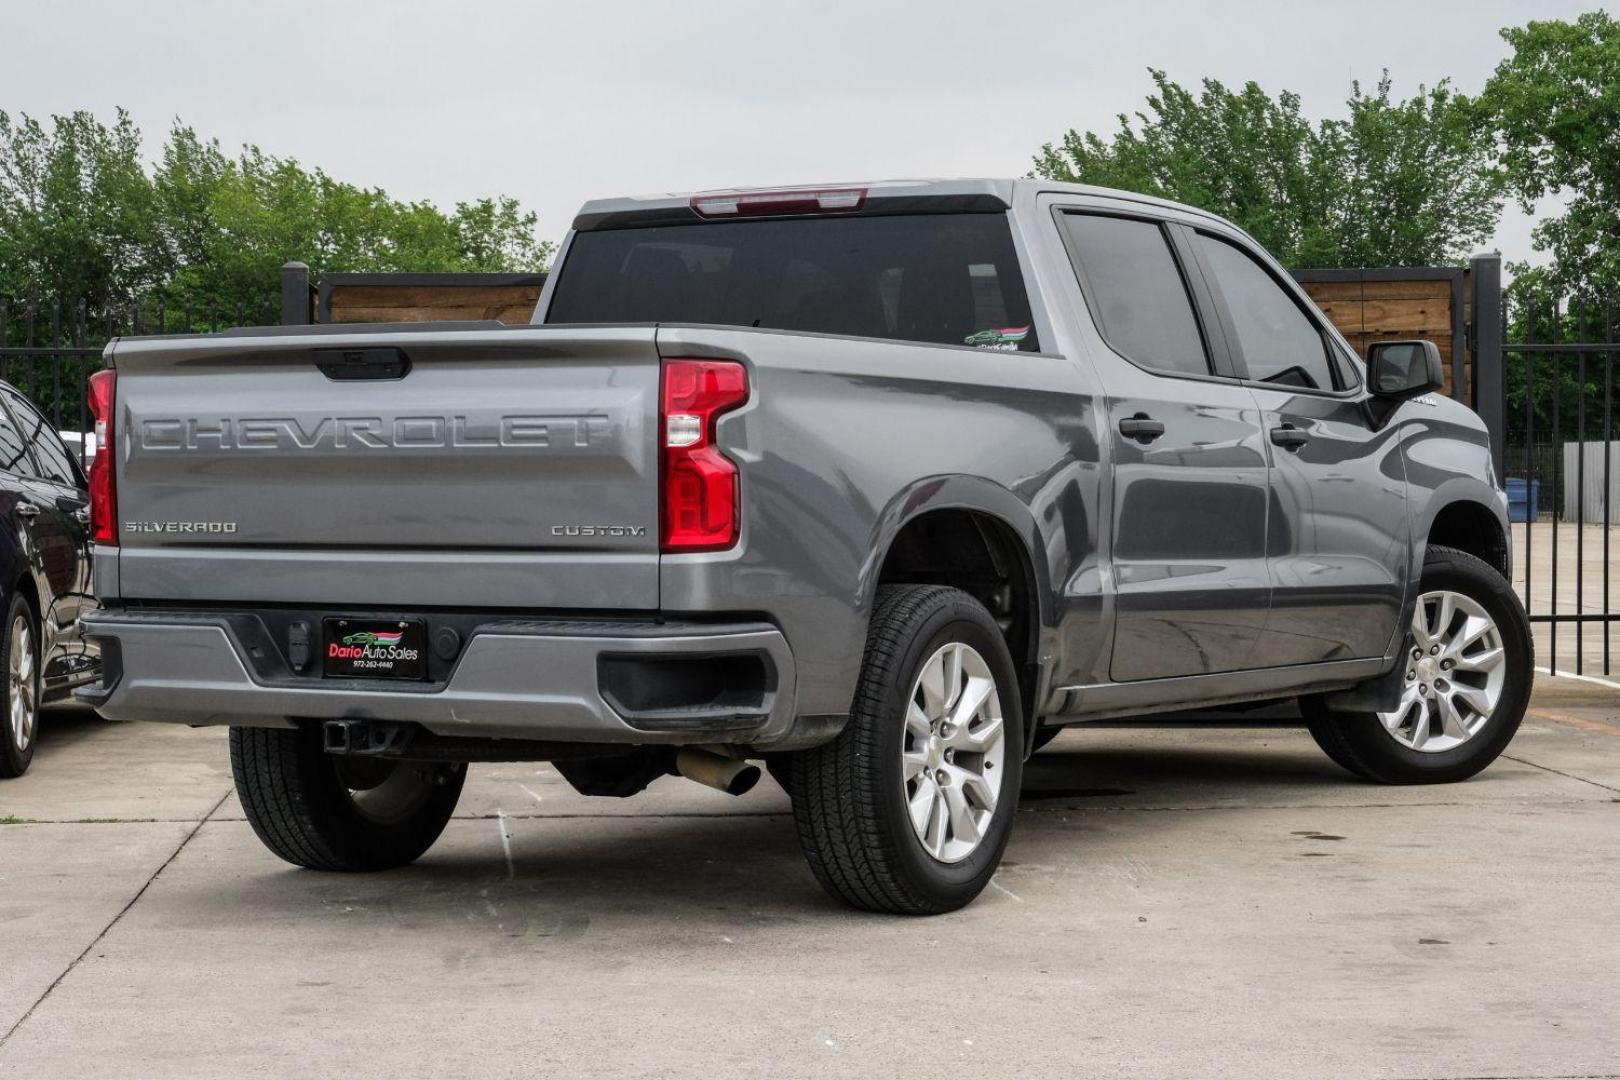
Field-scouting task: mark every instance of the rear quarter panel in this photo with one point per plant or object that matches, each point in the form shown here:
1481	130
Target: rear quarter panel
844	441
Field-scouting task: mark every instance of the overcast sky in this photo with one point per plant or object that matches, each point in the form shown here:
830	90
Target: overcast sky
556	102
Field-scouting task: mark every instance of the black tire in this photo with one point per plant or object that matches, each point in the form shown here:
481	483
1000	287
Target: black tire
780	766
848	795
1359	742
327	812
17	747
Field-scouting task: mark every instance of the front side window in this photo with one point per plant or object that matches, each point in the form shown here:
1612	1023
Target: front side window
1280	344
1348	367
946	279
1137	294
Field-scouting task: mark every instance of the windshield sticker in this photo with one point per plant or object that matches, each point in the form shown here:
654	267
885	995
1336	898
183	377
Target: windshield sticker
1005	338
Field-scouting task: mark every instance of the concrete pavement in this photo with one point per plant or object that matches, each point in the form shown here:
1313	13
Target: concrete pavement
1177	901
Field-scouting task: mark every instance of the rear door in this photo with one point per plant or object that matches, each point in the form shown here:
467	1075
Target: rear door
51	510
474	468
1189	466
1337	545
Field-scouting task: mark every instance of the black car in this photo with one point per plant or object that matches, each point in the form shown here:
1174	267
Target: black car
44	574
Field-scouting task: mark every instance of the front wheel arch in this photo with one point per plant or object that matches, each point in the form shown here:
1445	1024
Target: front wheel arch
1469	526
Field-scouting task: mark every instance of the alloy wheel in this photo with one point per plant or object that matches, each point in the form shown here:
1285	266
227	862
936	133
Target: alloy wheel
953	751
1454	674
22	680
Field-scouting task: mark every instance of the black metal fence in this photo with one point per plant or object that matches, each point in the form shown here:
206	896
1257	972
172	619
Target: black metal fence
1559	454
49	347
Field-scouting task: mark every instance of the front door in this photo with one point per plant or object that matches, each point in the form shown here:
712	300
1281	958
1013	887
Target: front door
1338	546
1189	463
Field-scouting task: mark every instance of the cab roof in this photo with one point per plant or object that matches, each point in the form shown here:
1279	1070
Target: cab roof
880	197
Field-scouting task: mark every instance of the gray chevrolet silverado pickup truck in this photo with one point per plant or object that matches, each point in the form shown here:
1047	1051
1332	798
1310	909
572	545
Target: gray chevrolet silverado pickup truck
878	485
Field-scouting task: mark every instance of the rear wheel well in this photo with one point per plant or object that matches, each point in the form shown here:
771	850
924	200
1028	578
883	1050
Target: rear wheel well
1471	527
983	556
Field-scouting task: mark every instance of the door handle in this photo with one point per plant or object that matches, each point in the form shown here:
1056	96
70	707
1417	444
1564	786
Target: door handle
77	507
1141	427
27	510
1290	437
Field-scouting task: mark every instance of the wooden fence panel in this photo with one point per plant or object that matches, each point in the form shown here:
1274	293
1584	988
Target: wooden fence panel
1386	305
507	298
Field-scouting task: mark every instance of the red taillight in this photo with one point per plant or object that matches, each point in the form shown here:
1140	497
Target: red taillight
699	483
103	490
760	203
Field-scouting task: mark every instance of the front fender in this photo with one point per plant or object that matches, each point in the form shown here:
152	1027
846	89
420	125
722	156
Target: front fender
1448	460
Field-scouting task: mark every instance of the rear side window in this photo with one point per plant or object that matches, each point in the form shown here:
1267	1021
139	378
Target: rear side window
13	449
55	462
1137	294
1280	343
944	279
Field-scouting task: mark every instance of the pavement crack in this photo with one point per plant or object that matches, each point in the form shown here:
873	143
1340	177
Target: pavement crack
1560	772
105	930
95	821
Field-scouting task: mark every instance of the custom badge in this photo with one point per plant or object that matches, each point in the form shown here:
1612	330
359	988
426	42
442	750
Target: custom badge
1003	339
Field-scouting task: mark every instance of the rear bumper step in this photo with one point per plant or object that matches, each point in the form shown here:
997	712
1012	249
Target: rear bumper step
573	680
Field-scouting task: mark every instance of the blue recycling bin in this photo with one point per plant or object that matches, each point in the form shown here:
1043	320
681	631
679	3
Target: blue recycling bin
1521	510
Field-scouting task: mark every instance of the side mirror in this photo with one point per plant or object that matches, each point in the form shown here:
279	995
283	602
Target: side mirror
1398	370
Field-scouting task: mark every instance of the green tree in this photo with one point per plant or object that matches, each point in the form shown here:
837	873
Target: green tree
1393	182
1241	155
77	216
82	217
235	221
1538	311
1556	106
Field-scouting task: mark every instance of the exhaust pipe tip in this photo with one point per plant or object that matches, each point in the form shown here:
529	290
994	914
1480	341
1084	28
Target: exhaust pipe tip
743	780
725	774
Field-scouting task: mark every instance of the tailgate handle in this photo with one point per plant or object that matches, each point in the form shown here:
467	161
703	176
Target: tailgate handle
372	363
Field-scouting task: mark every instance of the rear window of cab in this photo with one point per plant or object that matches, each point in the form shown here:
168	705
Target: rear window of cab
941	279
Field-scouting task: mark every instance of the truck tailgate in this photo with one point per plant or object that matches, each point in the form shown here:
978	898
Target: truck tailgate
506	467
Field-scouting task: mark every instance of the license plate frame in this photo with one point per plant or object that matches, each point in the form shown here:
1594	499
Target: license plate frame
370	649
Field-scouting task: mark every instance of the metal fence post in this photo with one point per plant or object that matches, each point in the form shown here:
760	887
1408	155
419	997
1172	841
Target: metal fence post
295	295
1490	385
